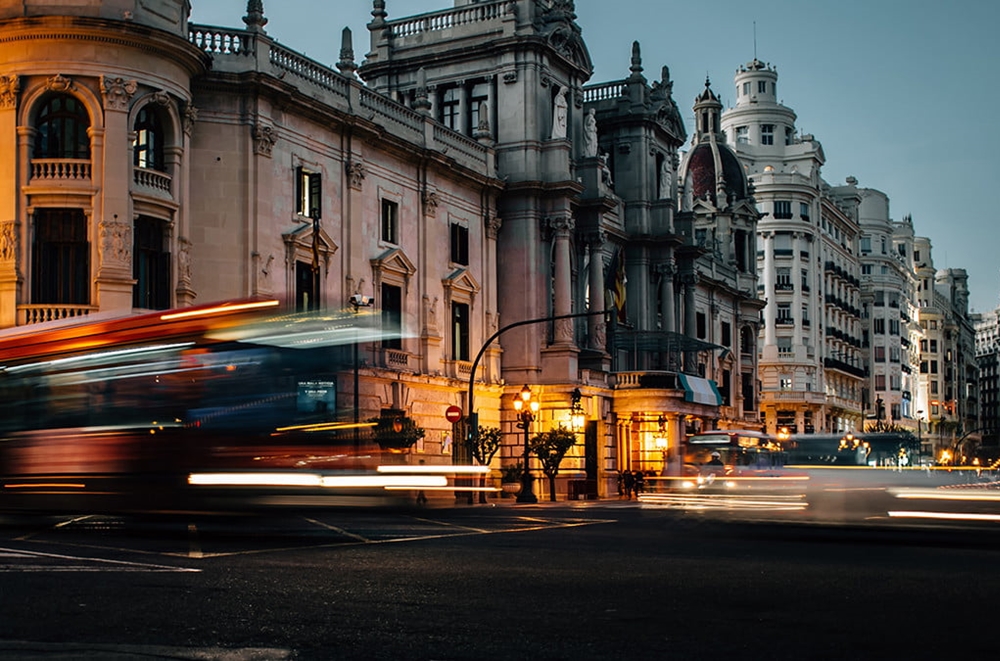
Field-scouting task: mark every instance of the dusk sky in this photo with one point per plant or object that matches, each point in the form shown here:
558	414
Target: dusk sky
900	93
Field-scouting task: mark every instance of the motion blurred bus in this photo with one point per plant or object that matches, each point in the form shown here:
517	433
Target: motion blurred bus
224	405
737	448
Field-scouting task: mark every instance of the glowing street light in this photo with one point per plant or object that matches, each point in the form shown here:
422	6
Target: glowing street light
526	408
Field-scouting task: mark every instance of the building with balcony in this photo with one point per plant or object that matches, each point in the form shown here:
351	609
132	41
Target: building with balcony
811	352
464	176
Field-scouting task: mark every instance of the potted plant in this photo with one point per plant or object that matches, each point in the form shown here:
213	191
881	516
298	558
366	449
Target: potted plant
510	478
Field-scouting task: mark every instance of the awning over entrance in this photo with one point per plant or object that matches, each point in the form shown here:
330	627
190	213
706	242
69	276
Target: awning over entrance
699	390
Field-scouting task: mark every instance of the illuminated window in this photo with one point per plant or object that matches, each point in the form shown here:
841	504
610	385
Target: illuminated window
390	221
460	331
147	149
308	186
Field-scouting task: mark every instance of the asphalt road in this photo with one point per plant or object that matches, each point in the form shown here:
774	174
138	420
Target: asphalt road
612	581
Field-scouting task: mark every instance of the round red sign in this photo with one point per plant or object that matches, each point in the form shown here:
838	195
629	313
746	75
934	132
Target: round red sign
453	414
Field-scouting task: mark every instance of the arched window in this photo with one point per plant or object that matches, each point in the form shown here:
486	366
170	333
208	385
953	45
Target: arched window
148	146
61	126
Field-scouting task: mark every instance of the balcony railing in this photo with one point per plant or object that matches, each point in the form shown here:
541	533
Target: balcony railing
40	312
152	179
61	169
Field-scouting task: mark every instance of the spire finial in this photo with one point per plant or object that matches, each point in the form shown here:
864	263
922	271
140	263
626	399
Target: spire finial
636	67
255	18
378	12
347	65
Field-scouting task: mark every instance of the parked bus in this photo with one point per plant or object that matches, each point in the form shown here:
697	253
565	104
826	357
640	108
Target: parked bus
738	448
228	405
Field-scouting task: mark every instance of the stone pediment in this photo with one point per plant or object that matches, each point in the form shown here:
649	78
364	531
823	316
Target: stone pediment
302	238
746	208
461	280
395	261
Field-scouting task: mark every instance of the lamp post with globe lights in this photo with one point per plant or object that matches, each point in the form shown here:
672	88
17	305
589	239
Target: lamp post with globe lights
526	408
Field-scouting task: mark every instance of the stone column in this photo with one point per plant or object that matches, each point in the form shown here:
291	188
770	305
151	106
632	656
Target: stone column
770	336
596	326
11	252
668	301
463	109
112	154
800	328
562	227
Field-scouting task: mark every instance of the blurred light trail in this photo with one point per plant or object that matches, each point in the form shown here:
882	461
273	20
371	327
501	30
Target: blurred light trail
445	469
219	309
939	494
317	480
947	516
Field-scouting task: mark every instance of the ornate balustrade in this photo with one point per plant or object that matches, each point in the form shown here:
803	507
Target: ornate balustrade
153	179
61	169
604	91
222	41
448	19
39	313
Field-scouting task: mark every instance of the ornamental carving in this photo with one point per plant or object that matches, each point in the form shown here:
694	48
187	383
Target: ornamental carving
190	117
8	241
116	242
59	83
356	173
263	139
183	261
562	226
430	203
117	92
161	98
493	224
9	87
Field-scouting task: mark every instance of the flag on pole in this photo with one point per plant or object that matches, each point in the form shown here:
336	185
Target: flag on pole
615	282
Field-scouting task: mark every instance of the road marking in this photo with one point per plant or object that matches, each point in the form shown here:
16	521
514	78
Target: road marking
77	563
337	530
194	547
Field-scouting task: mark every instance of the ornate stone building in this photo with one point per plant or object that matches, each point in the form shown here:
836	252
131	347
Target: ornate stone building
471	182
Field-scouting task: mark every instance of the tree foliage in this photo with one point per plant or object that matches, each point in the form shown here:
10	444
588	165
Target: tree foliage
551	447
485	444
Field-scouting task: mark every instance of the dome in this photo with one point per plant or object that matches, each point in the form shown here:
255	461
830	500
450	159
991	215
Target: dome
703	166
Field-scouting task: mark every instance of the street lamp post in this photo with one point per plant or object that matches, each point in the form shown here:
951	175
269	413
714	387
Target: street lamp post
526	409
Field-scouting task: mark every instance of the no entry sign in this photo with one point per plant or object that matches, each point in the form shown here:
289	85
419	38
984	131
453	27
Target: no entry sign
453	414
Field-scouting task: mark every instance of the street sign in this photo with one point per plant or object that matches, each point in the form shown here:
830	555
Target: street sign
453	414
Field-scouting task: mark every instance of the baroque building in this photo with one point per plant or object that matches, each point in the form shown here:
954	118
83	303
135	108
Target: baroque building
465	177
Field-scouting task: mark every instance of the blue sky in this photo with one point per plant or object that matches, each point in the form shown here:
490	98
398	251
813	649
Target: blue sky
900	92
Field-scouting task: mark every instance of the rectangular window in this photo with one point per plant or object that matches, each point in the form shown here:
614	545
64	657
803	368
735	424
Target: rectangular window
866	269
746	89
933	345
478	100
894	327
392	316
460	331
804	210
60	265
934	367
307	193
783	279
742	135
785	383
782	209
727	334
785	313
390	221
878	326
767	134
761	86
866	245
459	244
805	280
880	382
895	382
934	387
150	264
895	354
805	315
448	114
700	325
879	354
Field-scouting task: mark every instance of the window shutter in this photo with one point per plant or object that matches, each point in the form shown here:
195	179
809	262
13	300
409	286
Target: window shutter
315	199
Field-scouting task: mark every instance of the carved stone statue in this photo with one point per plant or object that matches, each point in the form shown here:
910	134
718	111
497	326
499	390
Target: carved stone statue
666	179
590	134
559	115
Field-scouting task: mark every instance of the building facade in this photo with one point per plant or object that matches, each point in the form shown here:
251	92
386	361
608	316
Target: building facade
811	355
472	182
